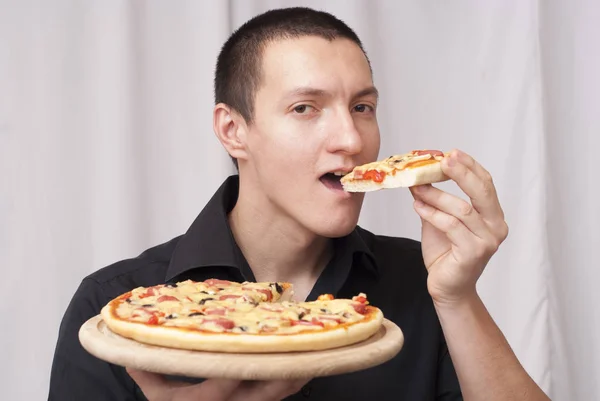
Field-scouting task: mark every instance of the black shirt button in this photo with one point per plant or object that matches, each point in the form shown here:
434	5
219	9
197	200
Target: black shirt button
306	391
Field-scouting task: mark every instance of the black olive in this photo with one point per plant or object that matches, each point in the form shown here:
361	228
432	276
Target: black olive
323	310
171	285
243	328
301	315
203	292
128	300
278	288
196	314
170	317
147	305
203	301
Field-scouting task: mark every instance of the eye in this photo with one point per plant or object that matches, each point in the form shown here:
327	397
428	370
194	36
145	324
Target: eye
362	108
301	109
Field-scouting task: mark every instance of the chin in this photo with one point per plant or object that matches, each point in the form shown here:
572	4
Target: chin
336	227
337	232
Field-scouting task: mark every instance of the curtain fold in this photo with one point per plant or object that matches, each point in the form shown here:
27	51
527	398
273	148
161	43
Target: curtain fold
571	61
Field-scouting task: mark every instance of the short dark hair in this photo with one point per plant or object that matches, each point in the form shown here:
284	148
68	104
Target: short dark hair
238	69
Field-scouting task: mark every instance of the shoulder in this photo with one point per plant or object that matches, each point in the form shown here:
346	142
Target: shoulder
146	269
72	363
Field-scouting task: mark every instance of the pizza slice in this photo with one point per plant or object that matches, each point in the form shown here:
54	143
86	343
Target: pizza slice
405	170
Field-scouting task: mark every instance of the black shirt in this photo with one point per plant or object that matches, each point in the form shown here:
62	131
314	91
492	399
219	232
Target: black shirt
389	270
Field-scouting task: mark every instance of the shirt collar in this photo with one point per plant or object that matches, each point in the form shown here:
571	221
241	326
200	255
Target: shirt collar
210	242
356	245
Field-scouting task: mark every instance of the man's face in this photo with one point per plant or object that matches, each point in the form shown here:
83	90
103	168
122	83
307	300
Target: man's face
314	116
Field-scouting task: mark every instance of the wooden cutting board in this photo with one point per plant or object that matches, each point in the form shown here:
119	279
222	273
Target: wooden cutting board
101	342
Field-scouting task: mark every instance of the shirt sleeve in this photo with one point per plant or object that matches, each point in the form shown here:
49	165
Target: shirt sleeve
76	374
448	387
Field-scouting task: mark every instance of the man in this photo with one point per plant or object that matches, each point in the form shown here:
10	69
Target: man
295	102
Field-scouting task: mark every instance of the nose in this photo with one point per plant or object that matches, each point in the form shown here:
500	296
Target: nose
345	137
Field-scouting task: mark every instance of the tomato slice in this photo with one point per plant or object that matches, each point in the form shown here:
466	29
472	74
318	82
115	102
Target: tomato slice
150	292
374	175
221	321
268	293
360	308
164	298
214	282
225	323
429	152
360	299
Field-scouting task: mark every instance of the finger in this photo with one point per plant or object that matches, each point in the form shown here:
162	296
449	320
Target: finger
154	386
453	206
467	245
455	230
268	390
472	164
211	389
475	182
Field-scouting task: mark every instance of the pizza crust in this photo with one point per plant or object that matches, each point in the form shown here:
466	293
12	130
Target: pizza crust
245	343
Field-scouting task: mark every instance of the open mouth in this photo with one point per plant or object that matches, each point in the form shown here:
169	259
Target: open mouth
332	181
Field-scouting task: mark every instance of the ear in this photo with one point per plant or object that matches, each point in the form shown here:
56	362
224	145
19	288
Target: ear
230	128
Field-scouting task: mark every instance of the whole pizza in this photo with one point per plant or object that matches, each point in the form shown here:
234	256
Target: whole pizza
225	316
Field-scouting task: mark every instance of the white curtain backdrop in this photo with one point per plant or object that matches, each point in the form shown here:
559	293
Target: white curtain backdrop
106	148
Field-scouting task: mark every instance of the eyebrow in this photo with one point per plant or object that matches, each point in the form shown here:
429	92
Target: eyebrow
308	91
314	92
370	91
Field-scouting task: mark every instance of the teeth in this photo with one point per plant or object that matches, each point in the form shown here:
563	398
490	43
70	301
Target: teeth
339	173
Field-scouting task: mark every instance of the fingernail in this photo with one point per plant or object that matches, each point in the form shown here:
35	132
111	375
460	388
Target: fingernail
422	208
451	160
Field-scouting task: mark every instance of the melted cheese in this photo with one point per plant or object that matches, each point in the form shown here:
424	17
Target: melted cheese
236	308
392	164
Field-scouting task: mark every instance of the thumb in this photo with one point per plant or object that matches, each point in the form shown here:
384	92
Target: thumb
153	385
156	387
415	190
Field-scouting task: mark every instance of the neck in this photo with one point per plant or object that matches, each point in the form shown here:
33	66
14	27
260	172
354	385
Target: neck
276	247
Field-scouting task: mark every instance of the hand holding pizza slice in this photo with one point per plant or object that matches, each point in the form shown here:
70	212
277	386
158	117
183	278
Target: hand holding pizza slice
459	237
